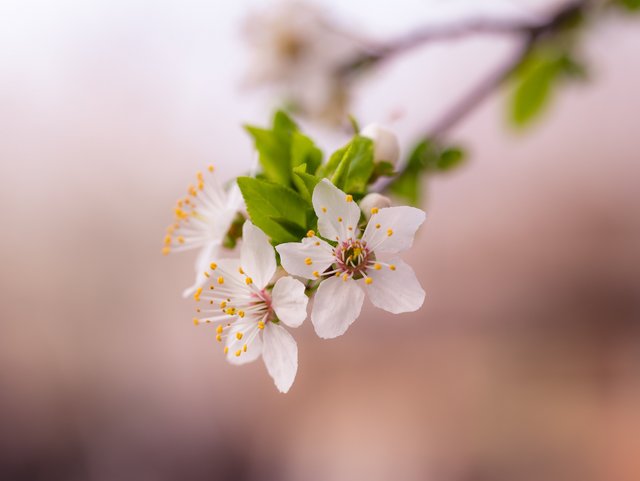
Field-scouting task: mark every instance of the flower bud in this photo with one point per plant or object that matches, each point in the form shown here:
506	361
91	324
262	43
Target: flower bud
372	202
385	143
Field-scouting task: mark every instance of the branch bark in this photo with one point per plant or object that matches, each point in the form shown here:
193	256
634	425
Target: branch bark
530	35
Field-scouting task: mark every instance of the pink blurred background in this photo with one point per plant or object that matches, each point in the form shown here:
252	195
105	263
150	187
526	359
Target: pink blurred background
523	365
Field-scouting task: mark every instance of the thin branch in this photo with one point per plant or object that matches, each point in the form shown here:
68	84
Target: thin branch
464	106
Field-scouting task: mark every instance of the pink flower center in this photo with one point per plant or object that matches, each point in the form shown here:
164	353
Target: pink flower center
352	257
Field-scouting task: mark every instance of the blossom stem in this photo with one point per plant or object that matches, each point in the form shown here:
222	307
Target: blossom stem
530	34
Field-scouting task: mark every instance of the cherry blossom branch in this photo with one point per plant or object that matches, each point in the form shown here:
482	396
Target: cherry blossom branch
530	34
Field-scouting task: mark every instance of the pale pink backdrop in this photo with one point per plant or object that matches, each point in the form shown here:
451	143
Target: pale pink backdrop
522	365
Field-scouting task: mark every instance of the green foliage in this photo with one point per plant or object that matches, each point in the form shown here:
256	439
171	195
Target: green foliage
351	167
305	182
278	210
536	80
426	158
630	5
282	148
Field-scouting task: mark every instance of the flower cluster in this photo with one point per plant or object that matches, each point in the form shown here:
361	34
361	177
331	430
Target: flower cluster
337	243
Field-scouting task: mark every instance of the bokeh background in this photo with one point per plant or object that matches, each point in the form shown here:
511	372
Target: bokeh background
523	364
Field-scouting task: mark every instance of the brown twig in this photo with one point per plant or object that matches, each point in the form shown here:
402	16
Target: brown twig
530	34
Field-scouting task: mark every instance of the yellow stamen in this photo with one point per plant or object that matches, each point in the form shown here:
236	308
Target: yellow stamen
211	168
165	251
339	219
220	280
368	280
345	277
260	324
374	210
181	239
244	348
316	274
195	321
392	267
239	336
377	226
213	266
349	198
238	352
249	281
241	313
377	267
226	350
389	232
240	270
324	209
196	295
223	304
308	261
219	329
311	233
167	240
219	337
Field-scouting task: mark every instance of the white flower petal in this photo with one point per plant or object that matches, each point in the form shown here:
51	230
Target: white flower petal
289	301
250	338
338	216
396	290
392	229
306	257
257	257
280	354
205	257
336	305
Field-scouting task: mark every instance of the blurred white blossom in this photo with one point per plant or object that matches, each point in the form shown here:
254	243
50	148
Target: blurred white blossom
296	49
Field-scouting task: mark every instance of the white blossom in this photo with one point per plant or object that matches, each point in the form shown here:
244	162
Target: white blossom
202	220
298	50
357	263
385	143
250	311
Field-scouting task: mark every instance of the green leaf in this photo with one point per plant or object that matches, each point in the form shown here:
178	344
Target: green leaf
283	124
450	158
268	203
535	79
361	165
274	147
354	169
304	182
328	169
630	5
294	229
427	157
382	169
273	154
304	151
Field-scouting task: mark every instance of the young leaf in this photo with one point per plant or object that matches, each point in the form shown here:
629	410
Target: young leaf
268	203
426	157
304	182
304	151
354	169
273	154
274	147
361	165
450	158
328	169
